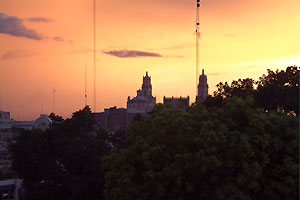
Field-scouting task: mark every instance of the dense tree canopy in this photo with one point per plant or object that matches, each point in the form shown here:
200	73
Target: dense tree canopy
276	90
63	162
231	152
279	89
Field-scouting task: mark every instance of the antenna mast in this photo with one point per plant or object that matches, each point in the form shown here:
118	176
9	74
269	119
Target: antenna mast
29	108
197	43
94	10
85	87
53	103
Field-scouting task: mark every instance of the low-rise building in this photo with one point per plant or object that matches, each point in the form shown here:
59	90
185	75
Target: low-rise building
4	116
177	103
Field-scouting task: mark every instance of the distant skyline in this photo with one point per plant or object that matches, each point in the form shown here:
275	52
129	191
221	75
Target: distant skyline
47	44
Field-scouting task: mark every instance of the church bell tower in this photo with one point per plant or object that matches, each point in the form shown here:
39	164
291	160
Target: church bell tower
147	87
202	88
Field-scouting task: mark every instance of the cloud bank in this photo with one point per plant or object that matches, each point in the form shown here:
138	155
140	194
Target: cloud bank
131	53
40	19
14	26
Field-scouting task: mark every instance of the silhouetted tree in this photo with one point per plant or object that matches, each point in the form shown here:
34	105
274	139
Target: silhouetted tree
276	90
279	89
56	118
230	152
240	88
120	139
63	162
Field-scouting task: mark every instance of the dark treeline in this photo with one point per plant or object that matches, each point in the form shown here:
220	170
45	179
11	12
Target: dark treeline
235	145
276	90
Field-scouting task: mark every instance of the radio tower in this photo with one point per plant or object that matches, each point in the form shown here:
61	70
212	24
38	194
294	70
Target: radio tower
197	43
94	10
85	87
53	100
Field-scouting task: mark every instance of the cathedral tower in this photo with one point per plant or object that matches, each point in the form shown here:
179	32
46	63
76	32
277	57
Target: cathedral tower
144	101
147	87
202	88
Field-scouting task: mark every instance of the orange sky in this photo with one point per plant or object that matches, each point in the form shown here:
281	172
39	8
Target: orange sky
240	38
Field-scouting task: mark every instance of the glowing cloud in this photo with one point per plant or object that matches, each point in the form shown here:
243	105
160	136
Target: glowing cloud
39	19
14	26
131	53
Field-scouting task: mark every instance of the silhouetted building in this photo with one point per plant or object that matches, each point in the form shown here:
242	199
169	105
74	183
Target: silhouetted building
114	119
9	131
177	102
144	101
202	88
4	116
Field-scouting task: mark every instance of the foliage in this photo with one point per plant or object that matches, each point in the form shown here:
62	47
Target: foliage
227	152
55	118
279	89
7	175
63	162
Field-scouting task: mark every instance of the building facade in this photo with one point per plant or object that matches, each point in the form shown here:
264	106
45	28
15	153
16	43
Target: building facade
114	119
202	88
144	101
177	103
4	116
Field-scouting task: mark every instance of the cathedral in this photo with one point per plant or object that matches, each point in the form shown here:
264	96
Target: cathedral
144	101
114	119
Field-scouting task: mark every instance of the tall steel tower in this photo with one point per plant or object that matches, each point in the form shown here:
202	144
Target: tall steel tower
197	43
53	100
85	86
94	16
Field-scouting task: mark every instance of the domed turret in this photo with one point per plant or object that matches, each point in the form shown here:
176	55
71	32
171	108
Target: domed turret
42	123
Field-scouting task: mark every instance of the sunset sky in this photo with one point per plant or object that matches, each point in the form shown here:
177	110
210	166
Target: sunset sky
46	44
